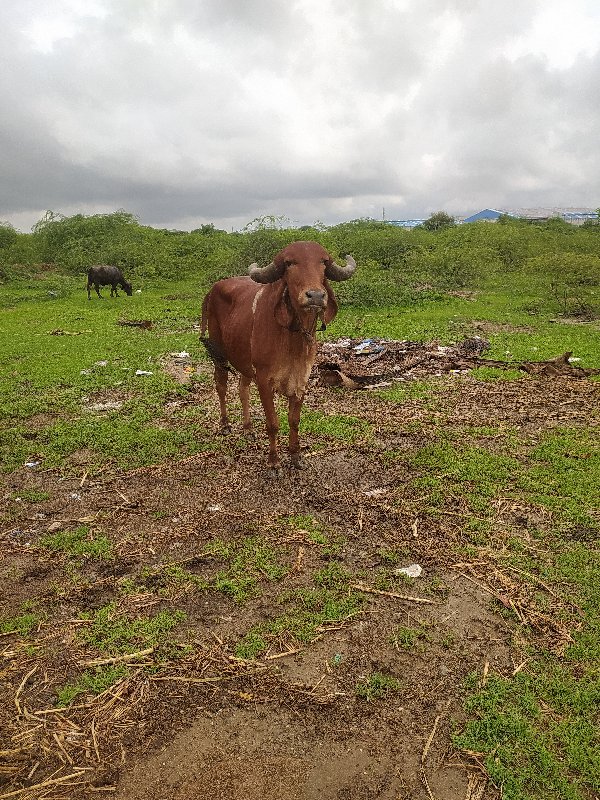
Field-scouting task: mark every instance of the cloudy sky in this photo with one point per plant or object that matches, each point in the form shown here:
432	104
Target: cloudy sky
185	112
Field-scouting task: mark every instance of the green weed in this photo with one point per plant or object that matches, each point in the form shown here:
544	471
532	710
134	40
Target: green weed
537	733
92	682
331	544
78	542
31	495
405	638
563	474
252	561
22	625
377	686
114	633
307	611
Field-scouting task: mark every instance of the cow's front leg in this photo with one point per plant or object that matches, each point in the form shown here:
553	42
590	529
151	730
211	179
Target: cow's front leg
267	398
294	409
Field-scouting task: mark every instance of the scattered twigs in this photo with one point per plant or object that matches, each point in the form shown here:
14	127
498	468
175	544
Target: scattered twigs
63	780
100	662
431	736
427	747
369	590
425	783
475	787
21	687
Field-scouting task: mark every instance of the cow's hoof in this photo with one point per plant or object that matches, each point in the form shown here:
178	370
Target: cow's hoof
274	472
224	430
298	462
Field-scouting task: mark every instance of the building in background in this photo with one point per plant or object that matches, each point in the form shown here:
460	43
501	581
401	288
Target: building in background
574	216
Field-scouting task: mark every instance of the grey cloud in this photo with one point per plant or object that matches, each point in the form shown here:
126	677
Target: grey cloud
184	112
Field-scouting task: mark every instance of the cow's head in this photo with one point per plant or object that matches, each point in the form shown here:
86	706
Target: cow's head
126	286
304	269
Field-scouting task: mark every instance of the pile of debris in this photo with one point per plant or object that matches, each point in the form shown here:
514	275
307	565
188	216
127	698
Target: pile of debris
372	363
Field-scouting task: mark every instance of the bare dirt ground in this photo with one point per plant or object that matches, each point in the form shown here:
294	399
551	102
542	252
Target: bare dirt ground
288	724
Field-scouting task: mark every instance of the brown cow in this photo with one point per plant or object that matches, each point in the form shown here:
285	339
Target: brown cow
265	325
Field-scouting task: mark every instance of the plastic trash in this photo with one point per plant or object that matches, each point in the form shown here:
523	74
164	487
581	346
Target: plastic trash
368	346
85	372
143	372
100	363
32	464
413	570
374	492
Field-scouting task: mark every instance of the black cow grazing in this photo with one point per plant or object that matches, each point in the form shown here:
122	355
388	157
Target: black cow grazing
102	275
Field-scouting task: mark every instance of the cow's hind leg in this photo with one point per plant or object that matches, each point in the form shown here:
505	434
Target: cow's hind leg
244	388
294	409
221	384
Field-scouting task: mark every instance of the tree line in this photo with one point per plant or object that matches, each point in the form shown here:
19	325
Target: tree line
396	265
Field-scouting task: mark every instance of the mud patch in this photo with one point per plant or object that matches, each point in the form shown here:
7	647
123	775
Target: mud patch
499	327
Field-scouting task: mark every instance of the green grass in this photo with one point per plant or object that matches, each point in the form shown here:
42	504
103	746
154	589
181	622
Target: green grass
48	377
406	638
31	495
538	733
537	730
41	374
78	542
469	471
22	625
410	390
377	686
252	561
344	427
330	544
248	563
114	633
307	610
92	681
167	579
563	474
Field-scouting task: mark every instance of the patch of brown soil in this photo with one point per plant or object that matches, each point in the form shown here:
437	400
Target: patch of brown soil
289	724
499	327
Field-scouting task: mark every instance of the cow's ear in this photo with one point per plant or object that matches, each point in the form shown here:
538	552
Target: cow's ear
332	306
283	311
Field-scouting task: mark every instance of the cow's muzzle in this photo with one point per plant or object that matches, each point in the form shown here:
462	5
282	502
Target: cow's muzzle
314	299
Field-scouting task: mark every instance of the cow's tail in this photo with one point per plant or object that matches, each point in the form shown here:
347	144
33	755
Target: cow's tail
204	323
216	355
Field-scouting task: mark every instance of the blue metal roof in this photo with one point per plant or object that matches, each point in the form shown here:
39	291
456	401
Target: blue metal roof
486	213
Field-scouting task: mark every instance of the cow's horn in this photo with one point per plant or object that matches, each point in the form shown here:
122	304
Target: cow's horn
267	274
336	273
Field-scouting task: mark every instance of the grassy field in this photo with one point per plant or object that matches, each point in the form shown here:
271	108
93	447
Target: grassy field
504	467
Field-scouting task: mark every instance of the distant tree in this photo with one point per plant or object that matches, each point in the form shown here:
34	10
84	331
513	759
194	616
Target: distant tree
438	221
208	230
8	235
268	222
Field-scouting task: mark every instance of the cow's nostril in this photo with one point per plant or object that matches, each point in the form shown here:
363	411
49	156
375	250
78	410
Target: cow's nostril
315	295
